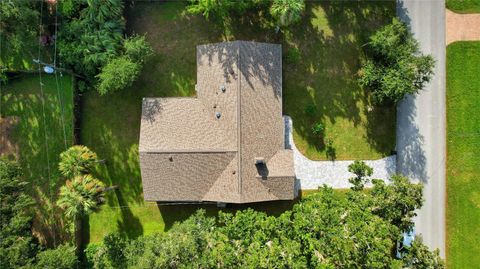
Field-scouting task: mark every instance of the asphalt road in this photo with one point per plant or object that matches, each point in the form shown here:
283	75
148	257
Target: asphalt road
421	121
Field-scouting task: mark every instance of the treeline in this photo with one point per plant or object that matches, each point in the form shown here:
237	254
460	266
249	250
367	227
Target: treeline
357	229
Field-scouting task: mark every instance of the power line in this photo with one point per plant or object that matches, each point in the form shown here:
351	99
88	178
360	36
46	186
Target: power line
43	110
60	97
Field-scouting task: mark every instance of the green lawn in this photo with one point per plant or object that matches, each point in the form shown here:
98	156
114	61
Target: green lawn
464	6
329	40
21	100
463	160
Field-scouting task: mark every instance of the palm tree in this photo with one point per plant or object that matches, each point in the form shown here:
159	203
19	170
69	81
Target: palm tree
77	160
287	11
80	197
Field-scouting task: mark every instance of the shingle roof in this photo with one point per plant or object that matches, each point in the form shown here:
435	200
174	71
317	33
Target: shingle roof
204	148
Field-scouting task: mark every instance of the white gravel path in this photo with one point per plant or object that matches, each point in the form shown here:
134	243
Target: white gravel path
313	174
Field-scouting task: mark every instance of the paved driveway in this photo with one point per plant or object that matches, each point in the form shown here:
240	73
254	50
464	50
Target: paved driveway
313	174
421	144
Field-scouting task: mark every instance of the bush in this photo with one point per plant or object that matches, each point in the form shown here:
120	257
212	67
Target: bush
119	73
63	257
395	66
318	128
137	48
287	12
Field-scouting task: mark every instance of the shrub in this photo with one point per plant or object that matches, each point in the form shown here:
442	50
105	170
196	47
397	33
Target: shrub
137	48
318	128
287	12
119	73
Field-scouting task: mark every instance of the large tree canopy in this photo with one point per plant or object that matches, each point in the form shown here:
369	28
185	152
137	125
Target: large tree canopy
324	230
17	245
395	66
19	27
93	43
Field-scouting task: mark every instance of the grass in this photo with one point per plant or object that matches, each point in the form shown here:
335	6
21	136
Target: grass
22	99
463	142
464	6
329	40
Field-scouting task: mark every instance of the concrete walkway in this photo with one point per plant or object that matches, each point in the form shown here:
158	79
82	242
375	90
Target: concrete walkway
421	142
313	174
462	27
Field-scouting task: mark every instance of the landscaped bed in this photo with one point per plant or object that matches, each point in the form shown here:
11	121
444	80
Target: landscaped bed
321	58
463	142
30	122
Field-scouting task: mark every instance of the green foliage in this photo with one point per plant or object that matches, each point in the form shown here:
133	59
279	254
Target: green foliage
19	30
88	42
117	74
293	56
318	128
220	9
137	48
395	66
17	245
81	196
361	170
324	230
77	160
62	257
418	256
397	202
287	12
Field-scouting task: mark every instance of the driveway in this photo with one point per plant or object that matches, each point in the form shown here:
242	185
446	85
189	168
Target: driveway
421	145
313	174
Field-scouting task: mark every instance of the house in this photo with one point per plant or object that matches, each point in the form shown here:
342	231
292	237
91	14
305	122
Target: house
227	144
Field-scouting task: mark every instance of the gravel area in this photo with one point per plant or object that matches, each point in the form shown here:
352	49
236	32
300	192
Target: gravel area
313	174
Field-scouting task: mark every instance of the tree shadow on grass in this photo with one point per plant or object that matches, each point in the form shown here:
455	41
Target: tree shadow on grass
172	213
130	225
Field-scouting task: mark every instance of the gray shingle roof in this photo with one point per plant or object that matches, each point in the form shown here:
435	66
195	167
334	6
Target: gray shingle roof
204	148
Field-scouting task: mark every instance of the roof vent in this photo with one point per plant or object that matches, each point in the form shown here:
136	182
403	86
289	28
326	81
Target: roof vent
259	160
218	115
222	88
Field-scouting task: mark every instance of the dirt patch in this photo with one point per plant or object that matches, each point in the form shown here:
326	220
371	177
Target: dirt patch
7	146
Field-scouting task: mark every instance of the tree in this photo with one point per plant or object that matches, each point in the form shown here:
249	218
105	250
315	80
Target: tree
62	257
17	245
81	196
89	41
287	12
397	201
418	256
394	66
137	48
361	170
19	29
117	74
324	230
77	160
